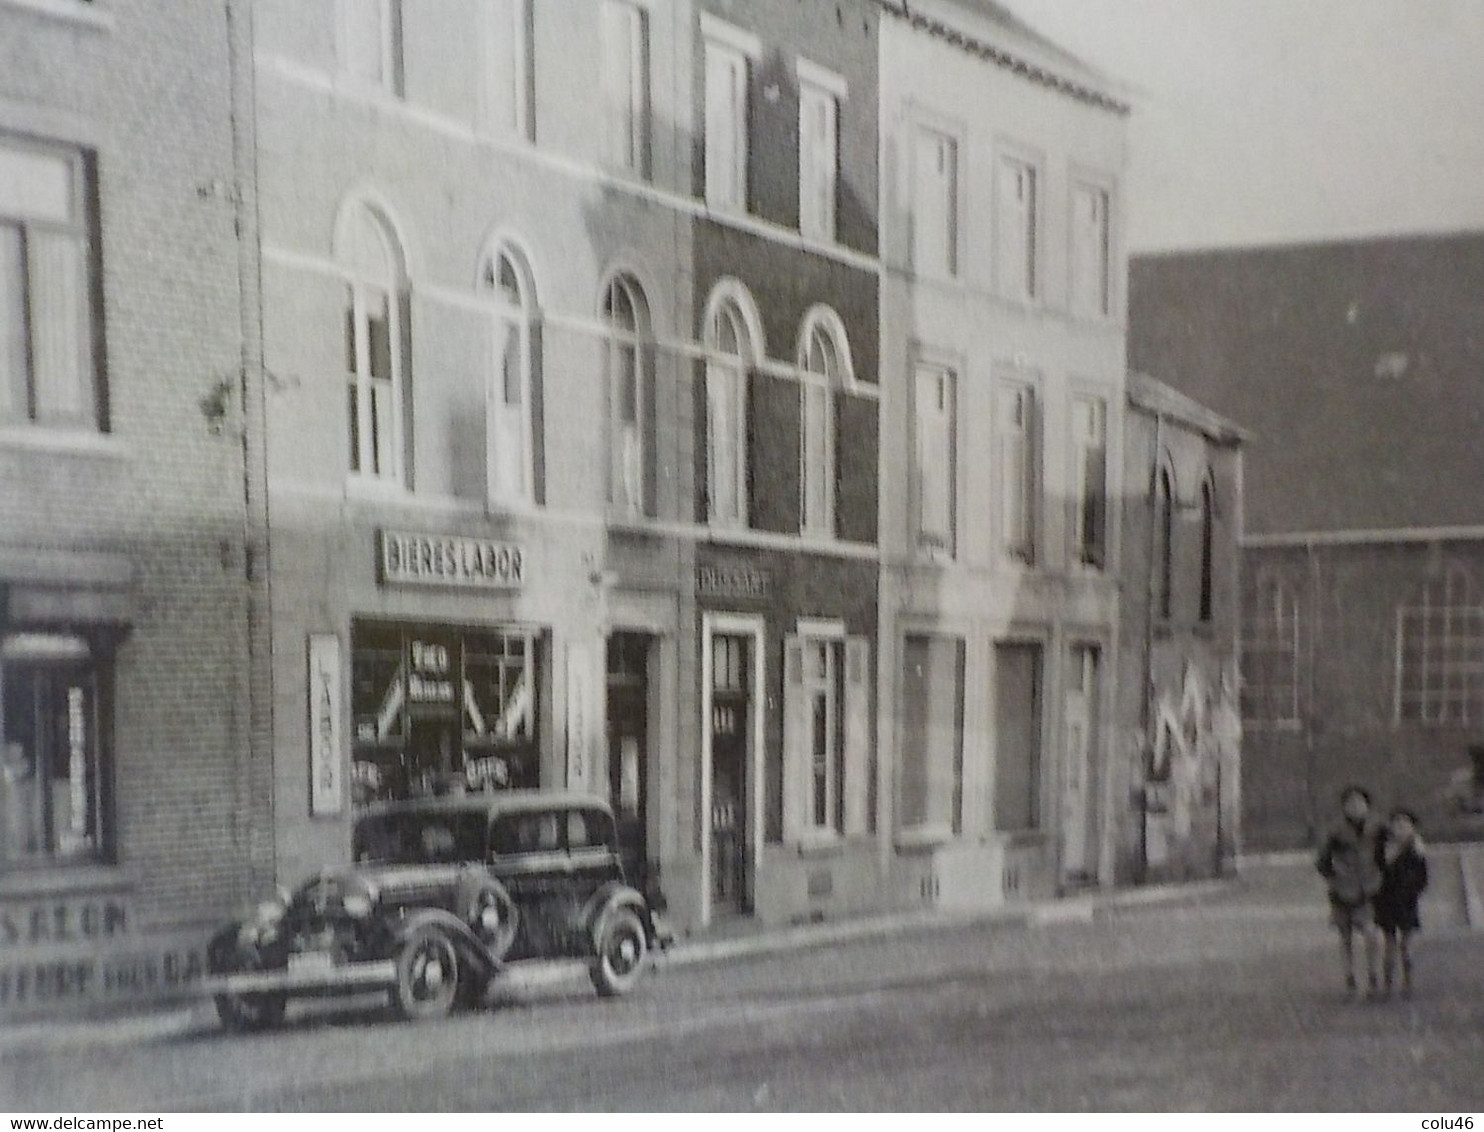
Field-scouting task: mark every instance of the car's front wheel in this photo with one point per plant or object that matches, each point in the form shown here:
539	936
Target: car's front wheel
623	954
427	975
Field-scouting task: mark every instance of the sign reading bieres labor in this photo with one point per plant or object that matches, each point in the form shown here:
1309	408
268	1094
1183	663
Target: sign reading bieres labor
451	560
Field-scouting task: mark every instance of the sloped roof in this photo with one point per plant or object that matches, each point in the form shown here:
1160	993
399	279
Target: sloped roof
1155	396
988	29
1357	365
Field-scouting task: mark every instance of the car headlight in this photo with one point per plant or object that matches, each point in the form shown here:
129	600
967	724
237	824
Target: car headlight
357	905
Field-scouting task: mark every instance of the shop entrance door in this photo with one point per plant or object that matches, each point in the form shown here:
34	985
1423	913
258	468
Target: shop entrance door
731	735
628	745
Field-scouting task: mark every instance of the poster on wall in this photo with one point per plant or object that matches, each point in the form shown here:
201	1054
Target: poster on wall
584	728
326	759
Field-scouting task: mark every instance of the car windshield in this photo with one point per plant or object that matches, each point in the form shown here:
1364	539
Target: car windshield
418	838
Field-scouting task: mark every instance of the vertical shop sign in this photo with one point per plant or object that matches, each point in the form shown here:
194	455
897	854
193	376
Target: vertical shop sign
327	784
584	728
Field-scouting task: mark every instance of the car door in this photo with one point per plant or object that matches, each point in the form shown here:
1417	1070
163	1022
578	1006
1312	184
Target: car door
592	851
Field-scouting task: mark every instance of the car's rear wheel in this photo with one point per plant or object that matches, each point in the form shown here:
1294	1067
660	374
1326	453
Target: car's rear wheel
623	954
427	975
259	1010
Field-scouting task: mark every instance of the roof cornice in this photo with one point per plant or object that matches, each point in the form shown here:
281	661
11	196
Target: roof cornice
1000	57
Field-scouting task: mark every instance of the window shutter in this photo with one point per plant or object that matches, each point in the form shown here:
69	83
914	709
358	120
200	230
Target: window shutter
404	433
1097	504
795	741
726	119
58	340
721	434
13	369
857	735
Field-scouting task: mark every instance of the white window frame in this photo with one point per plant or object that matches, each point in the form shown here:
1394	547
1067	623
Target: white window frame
1091	298
727	381
737	51
924	132
507	65
1089	442
507	487
1018	468
934	544
1017	228
628	440
52	371
625	30
824	388
390	78
368	462
845	684
1445	627
821	94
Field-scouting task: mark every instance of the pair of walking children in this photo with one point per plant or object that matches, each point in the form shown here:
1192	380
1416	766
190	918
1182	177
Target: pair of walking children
1376	874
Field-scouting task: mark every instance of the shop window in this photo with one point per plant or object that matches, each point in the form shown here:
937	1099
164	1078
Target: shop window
630	396
376	347
515	369
1017	737
932	715
52	797
1270	652
48	310
825	366
438	709
1440	653
827	756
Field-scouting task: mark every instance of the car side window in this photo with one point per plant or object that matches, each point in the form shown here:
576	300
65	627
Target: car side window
577	831
589	829
505	836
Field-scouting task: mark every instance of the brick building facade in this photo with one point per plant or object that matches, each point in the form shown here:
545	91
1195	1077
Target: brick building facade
132	813
1354	364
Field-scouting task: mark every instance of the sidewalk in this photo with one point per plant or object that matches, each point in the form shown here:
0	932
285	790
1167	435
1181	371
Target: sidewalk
746	941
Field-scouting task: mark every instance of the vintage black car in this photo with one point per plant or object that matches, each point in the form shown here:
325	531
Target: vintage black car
444	895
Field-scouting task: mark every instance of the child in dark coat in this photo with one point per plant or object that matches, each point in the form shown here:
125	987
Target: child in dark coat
1349	861
1403	879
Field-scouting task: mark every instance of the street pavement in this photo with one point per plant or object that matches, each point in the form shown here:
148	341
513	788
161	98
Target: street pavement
1228	1002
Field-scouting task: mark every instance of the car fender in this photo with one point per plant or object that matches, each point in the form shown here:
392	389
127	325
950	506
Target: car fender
469	945
612	896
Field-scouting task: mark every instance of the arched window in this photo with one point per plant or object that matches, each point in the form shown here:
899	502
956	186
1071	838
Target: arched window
1164	519
1208	536
375	344
629	395
1440	653
730	350
824	358
505	280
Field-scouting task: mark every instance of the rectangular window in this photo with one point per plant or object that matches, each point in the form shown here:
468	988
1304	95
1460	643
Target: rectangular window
936	460
508	65
932	708
1270	651
1018	461
372	326
51	779
1091	252
1017	774
1017	229
1440	658
934	203
47	310
626	85
819	125
1090	456
371	43
726	127
726	442
827	724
